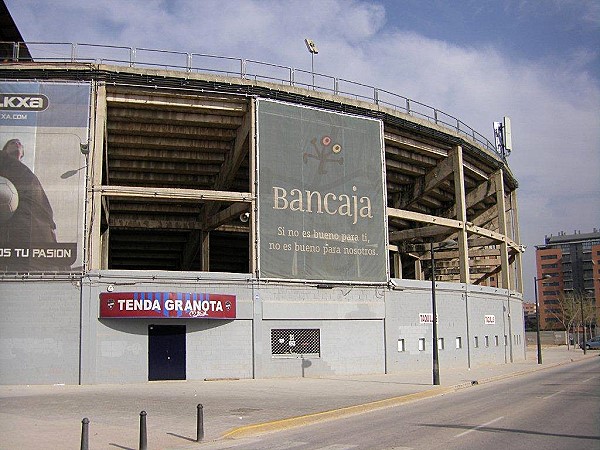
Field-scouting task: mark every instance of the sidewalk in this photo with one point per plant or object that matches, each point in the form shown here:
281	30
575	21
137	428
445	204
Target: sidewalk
49	417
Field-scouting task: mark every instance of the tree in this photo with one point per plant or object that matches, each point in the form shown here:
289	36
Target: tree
589	313
568	310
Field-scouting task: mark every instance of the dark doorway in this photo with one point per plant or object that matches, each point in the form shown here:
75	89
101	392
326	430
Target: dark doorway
166	352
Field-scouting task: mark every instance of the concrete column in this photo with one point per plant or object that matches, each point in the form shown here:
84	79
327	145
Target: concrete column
253	185
205	251
397	265
105	239
418	270
93	196
461	213
502	229
517	238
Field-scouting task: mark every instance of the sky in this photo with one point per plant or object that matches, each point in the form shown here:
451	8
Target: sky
536	61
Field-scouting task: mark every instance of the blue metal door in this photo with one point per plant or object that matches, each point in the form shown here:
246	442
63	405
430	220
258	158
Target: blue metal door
166	352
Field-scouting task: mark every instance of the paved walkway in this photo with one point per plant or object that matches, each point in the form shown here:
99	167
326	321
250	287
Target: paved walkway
49	417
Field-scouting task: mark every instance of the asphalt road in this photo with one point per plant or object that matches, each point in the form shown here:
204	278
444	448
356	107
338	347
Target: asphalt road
557	408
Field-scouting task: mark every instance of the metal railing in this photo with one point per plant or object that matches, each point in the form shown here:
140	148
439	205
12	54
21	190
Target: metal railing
246	69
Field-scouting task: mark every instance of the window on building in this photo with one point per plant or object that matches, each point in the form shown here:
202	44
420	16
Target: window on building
296	341
458	342
421	344
550	292
487	341
505	340
551	302
549	266
440	343
496	341
476	341
401	345
549	256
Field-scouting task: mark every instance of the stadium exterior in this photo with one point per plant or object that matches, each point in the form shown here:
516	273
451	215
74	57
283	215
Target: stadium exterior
224	218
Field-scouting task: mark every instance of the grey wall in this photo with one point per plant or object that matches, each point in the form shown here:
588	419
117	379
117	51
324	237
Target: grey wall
350	319
116	350
461	310
548	337
39	332
347	347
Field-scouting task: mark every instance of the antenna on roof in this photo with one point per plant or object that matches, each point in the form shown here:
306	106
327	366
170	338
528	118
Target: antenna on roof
503	136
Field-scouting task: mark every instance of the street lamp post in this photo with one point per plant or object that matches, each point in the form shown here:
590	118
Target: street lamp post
537	317
436	365
583	325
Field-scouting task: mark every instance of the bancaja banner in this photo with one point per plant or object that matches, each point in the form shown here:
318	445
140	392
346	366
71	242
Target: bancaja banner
321	204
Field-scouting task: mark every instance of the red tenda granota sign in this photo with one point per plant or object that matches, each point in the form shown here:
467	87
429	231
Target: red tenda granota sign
166	305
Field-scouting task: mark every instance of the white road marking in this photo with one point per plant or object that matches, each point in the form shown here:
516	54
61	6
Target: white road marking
563	390
479	426
552	395
337	447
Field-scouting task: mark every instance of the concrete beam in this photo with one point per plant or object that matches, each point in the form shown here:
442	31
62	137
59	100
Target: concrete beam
412	144
197	119
174	193
156	100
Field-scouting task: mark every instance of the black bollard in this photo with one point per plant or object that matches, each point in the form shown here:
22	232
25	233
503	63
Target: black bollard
143	433
200	423
85	433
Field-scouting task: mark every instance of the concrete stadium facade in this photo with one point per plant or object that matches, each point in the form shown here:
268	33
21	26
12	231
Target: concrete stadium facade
166	177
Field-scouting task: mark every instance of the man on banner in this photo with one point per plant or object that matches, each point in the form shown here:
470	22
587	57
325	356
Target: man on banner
31	225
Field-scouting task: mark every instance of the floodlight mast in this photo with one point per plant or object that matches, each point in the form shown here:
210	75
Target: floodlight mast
312	48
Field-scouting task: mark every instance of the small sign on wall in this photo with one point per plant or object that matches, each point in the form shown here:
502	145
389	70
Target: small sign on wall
489	319
427	318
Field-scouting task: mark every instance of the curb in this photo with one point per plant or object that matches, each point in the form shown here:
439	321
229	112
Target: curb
308	419
536	368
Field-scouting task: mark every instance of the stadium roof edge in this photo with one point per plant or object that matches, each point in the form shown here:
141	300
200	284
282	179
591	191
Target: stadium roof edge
181	80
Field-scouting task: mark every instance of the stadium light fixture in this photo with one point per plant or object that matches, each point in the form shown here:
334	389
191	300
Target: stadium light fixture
312	48
70	173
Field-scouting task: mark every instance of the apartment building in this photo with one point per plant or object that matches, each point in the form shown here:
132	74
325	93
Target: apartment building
568	266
